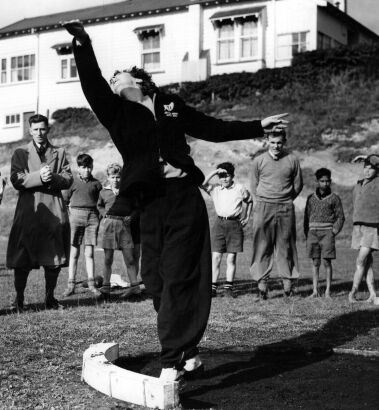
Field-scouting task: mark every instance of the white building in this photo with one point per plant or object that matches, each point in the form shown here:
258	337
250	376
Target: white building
175	40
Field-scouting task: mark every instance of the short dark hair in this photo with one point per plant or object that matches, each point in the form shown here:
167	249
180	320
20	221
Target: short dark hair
228	166
277	132
148	86
323	172
84	160
38	118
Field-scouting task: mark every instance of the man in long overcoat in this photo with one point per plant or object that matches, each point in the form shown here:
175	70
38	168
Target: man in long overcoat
40	234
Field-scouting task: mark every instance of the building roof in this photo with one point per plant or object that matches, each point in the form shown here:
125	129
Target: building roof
93	15
227	14
349	21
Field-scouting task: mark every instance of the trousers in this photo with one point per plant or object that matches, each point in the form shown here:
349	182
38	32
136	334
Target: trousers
274	234
176	266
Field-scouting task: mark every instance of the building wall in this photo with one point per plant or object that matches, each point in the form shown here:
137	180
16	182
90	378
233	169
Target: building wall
186	34
331	27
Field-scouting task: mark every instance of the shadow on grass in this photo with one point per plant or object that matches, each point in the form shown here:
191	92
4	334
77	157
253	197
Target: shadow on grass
303	287
87	300
232	370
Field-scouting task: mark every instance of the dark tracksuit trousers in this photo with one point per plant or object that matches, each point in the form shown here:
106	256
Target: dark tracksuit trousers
176	267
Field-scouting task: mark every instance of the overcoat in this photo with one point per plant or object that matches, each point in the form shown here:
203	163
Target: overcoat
40	234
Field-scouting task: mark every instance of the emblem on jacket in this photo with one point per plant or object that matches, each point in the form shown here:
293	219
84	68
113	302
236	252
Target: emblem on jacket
168	110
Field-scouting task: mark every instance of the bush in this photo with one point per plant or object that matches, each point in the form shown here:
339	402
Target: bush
72	116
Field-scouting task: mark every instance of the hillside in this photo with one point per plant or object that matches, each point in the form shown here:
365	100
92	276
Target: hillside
332	98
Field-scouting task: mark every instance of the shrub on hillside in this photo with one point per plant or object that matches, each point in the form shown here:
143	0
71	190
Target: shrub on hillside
75	116
308	69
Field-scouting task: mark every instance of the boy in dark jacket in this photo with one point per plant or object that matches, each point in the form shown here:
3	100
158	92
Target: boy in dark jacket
148	128
323	220
365	236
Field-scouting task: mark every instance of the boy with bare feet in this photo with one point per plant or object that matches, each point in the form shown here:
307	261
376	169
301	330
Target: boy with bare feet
323	220
365	236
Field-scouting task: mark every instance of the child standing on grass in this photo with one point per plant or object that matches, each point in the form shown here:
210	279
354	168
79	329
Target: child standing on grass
323	220
227	234
115	233
82	199
365	236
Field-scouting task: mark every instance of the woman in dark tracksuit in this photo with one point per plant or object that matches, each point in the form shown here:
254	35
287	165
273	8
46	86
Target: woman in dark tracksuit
148	128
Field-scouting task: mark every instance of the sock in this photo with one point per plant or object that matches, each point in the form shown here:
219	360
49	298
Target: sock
228	285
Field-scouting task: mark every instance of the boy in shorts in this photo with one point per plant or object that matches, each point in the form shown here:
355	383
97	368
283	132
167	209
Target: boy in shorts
227	233
365	236
323	220
82	199
115	233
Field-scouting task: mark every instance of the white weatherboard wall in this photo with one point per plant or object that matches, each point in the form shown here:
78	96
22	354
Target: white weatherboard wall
16	98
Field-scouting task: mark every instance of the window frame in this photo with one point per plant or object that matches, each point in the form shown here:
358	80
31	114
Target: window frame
151	51
238	38
68	58
12	120
291	44
14	70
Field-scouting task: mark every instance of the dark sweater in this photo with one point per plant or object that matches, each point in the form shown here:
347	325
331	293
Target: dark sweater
106	200
323	213
83	194
366	200
141	139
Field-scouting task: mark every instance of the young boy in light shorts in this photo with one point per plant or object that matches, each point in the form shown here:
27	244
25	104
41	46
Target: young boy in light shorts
323	220
227	233
82	199
365	235
115	233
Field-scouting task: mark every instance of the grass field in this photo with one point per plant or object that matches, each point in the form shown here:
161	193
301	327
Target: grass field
41	354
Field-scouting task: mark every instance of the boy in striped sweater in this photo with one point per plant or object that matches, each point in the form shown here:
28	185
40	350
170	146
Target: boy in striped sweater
323	220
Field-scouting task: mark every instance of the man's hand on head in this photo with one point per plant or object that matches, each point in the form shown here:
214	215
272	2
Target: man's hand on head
275	122
75	28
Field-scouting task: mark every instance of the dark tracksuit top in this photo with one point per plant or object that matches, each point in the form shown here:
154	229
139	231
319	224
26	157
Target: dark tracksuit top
176	263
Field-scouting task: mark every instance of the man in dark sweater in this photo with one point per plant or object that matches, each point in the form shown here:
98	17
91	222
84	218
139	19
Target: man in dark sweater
149	128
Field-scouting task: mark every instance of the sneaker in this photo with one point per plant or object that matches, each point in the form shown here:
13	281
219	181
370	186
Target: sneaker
95	292
53	304
69	291
228	293
118	282
105	290
260	297
214	293
133	290
194	368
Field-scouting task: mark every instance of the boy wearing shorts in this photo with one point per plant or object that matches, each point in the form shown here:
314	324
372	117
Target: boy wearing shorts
365	236
323	220
82	200
227	233
115	233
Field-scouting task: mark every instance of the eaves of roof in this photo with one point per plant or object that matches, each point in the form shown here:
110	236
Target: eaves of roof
112	12
349	21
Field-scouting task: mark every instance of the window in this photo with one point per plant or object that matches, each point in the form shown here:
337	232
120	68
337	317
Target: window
237	39
225	42
249	39
324	41
22	68
68	68
3	70
12	119
151	55
291	44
